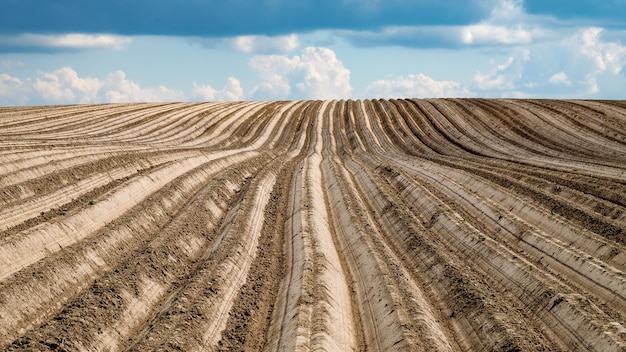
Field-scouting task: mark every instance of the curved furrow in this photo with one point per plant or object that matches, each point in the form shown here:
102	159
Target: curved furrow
544	130
610	112
248	325
51	118
395	225
80	120
160	133
539	156
534	229
586	117
487	130
203	303
579	136
313	307
34	164
103	131
401	317
58	277
471	318
142	126
24	114
66	191
23	249
118	304
194	125
602	216
616	287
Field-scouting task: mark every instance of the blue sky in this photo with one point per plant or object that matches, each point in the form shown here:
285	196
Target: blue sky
77	51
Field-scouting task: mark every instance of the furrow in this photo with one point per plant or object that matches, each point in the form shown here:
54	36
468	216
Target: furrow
23	249
118	304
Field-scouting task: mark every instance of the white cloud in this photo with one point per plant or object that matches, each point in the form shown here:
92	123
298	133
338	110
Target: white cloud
415	86
560	78
13	91
265	44
508	24
497	79
66	41
606	56
117	89
65	86
231	92
315	74
593	64
485	33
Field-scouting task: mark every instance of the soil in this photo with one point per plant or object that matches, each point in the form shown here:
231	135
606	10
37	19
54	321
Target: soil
368	225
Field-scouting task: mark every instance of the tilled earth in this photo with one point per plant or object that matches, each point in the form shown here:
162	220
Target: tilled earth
378	225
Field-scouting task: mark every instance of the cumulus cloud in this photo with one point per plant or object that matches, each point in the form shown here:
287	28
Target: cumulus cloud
497	79
415	86
13	91
606	56
560	78
116	88
70	41
508	24
231	92
315	74
593	63
65	86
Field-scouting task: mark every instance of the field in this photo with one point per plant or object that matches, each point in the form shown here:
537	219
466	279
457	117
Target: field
378	225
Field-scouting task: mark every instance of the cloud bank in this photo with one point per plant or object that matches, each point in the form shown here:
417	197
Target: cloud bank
212	18
65	86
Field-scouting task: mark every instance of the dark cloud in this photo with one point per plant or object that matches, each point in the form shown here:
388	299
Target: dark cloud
601	12
227	18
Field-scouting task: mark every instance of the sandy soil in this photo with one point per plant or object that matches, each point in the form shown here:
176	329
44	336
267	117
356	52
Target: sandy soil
375	225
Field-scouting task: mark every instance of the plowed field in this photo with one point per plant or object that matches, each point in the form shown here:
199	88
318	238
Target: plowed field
378	225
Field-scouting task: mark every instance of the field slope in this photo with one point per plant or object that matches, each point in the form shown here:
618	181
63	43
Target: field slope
378	225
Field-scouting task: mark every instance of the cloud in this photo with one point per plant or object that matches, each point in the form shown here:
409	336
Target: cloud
487	34
606	12
13	91
231	92
315	74
606	56
257	44
560	78
116	88
65	86
212	18
264	44
497	79
505	24
61	42
415	86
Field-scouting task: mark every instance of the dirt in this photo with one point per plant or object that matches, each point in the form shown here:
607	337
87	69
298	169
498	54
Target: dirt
370	225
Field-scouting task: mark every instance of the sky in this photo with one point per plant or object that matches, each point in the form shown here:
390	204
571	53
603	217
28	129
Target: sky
79	52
